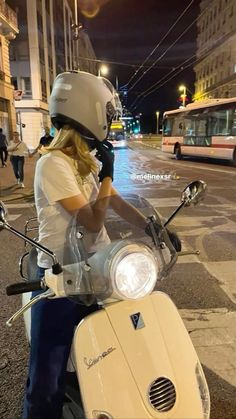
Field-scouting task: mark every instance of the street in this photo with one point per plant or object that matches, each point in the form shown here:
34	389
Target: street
203	287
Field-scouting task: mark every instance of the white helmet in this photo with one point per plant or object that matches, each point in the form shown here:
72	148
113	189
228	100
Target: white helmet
83	101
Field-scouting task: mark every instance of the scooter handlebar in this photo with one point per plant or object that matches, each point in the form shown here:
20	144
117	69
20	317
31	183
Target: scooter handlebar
21	287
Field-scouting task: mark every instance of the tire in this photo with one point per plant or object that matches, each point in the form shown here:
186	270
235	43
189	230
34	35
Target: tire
72	407
72	411
234	158
178	154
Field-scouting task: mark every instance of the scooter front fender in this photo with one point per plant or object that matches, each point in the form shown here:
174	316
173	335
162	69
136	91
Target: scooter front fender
134	359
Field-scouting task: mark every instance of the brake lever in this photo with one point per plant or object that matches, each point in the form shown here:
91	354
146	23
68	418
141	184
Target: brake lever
47	294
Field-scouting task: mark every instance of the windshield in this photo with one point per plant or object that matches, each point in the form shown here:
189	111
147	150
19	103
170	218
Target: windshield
89	257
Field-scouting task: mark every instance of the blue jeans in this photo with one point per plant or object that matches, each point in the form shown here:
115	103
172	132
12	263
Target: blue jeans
18	167
3	155
52	329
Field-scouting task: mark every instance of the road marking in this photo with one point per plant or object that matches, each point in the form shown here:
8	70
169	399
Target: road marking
13	217
224	272
213	334
196	167
164	202
20	205
166	158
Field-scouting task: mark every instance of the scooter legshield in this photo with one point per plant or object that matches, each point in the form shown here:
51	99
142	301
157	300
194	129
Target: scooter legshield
135	360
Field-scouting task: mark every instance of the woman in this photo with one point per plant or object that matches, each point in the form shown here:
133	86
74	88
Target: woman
81	108
18	150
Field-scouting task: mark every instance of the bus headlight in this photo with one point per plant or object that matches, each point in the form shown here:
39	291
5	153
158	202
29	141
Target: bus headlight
133	272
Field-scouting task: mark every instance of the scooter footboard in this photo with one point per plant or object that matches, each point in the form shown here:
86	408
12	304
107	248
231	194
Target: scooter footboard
134	359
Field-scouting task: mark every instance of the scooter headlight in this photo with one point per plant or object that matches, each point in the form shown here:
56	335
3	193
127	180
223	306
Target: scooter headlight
203	389
133	272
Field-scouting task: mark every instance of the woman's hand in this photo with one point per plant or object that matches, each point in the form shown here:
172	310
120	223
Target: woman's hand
105	155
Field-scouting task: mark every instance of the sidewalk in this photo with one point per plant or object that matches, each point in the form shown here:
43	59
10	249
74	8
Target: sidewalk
9	190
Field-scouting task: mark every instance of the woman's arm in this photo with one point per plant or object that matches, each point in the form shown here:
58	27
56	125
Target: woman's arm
12	146
127	211
91	216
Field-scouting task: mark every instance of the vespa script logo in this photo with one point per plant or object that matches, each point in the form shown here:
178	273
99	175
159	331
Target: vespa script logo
93	361
137	321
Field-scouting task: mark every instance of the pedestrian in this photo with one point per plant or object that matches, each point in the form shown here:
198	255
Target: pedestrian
3	148
65	187
18	150
44	141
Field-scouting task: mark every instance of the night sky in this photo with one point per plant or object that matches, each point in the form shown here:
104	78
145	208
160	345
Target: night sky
126	31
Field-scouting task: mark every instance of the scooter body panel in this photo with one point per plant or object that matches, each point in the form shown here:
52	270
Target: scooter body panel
119	353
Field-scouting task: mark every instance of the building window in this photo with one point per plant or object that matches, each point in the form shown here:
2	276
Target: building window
40	22
47	6
26	86
44	90
41	55
14	82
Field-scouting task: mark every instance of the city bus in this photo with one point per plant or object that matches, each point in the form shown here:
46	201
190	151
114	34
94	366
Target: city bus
204	129
117	135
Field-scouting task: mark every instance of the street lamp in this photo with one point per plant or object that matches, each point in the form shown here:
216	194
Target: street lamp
183	89
103	70
157	116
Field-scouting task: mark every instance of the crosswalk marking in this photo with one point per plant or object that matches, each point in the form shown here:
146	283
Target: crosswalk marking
26	205
13	217
164	202
213	333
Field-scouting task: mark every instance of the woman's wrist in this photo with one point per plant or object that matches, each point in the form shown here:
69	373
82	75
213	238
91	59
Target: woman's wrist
107	179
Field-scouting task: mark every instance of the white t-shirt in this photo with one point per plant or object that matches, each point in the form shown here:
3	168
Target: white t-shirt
18	149
56	178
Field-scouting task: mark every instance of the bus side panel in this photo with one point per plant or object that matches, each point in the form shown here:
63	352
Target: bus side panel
168	143
221	148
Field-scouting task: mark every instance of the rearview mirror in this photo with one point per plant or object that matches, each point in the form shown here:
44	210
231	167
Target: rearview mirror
3	214
193	193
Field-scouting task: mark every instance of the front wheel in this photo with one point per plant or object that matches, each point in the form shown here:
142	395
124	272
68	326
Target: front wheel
178	154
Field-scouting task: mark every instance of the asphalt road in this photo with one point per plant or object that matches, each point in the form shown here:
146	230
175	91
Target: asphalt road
203	287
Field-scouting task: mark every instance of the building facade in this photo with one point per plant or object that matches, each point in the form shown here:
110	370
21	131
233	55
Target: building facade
44	48
8	32
216	50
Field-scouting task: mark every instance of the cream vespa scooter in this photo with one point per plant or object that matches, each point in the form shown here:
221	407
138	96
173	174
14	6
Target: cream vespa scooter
133	358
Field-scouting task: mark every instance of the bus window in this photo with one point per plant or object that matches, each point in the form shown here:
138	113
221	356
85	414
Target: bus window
167	126
189	127
201	127
233	132
220	122
178	126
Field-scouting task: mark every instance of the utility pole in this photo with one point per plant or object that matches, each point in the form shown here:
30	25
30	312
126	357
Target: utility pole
76	28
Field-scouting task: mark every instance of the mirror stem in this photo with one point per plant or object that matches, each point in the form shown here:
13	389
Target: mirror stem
32	242
174	213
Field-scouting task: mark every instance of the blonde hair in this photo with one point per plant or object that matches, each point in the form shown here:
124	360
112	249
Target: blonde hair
69	140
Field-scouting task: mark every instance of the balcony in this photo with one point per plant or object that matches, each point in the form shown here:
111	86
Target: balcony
8	20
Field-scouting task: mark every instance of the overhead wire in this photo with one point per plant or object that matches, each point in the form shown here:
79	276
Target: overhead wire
140	99
96	60
165	52
152	88
160	42
181	68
